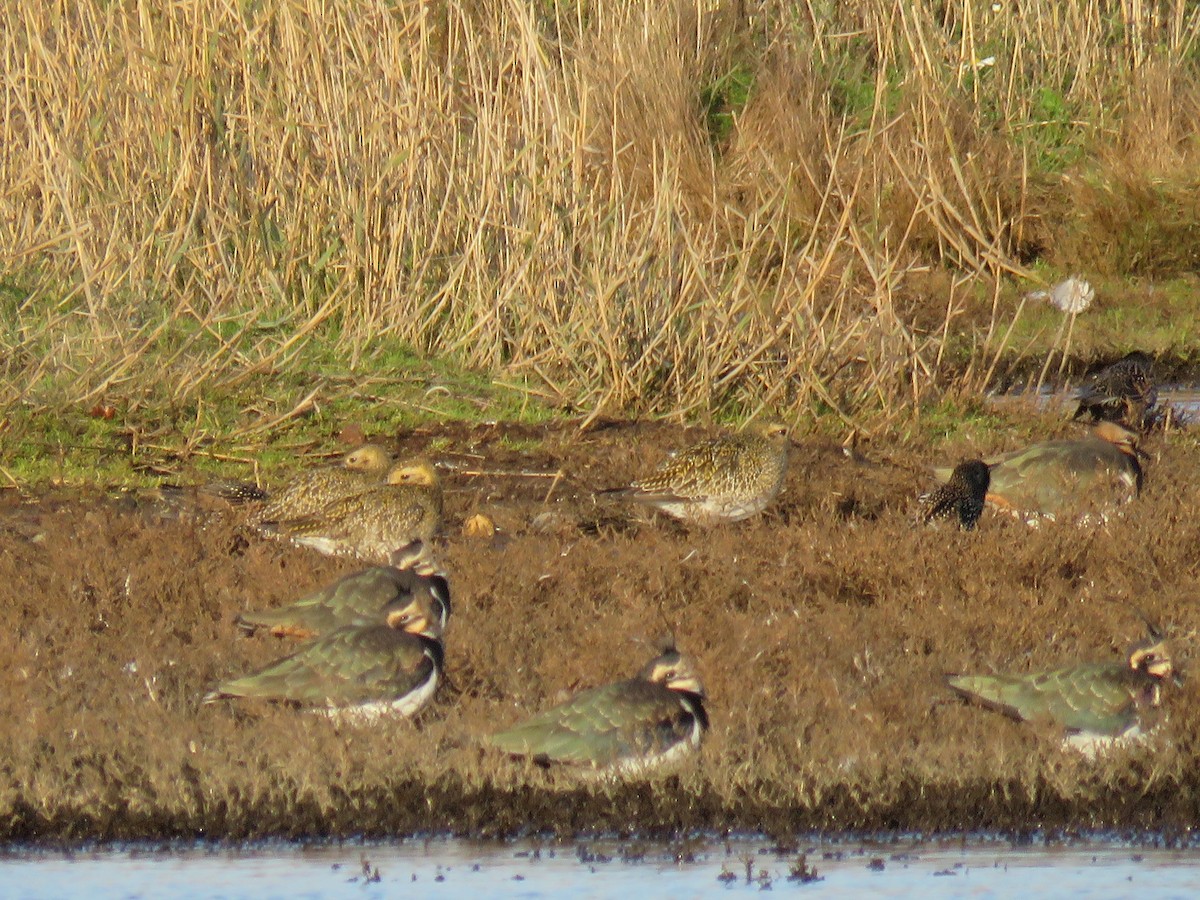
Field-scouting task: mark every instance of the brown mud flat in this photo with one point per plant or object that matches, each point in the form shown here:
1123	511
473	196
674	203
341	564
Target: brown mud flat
821	629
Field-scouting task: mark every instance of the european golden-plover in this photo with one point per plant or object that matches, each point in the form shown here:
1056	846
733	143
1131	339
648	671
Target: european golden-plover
309	492
373	522
726	479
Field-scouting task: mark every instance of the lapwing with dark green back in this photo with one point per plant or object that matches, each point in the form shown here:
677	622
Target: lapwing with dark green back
391	667
1096	704
622	728
360	597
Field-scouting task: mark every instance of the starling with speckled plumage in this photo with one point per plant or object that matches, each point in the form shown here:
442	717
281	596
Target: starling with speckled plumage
625	727
390	667
360	598
726	479
311	491
962	495
1123	392
375	521
1096	704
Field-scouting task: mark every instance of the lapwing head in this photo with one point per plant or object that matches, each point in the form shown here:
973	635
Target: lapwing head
415	555
1121	438
674	671
416	616
418	472
367	458
1152	658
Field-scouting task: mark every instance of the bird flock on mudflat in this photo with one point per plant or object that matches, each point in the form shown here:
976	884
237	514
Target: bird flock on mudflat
374	641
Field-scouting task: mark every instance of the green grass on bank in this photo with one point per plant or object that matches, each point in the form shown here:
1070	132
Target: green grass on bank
267	403
248	418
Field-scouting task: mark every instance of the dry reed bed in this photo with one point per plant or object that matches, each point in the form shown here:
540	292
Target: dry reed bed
662	206
821	630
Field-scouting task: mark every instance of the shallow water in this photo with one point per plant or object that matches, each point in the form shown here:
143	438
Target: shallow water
452	868
1184	398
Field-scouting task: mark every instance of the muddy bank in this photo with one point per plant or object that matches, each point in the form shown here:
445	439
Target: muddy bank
821	630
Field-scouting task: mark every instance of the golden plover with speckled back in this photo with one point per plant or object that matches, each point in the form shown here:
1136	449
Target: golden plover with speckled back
377	520
726	479
312	490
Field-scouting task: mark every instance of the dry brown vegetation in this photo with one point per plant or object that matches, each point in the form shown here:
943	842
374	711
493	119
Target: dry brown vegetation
821	630
660	206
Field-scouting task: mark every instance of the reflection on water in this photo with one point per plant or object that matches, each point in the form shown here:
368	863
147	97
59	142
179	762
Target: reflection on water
1183	398
452	868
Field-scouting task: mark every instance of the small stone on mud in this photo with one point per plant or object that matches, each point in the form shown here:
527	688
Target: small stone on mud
479	526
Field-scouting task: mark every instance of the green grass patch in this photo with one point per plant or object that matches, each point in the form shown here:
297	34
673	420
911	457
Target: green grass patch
1161	318
248	410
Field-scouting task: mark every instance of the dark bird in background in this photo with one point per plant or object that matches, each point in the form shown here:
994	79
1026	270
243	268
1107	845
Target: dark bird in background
962	495
1123	392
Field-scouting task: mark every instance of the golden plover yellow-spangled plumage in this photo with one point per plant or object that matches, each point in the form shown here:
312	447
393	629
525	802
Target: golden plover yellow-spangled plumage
376	520
312	490
726	479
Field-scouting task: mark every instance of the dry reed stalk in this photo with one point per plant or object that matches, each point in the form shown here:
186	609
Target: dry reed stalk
540	191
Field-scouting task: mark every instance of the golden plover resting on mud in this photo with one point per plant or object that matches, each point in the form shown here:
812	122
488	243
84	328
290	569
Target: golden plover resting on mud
962	495
1068	477
312	490
621	728
358	672
1096	704
726	479
360	598
377	520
